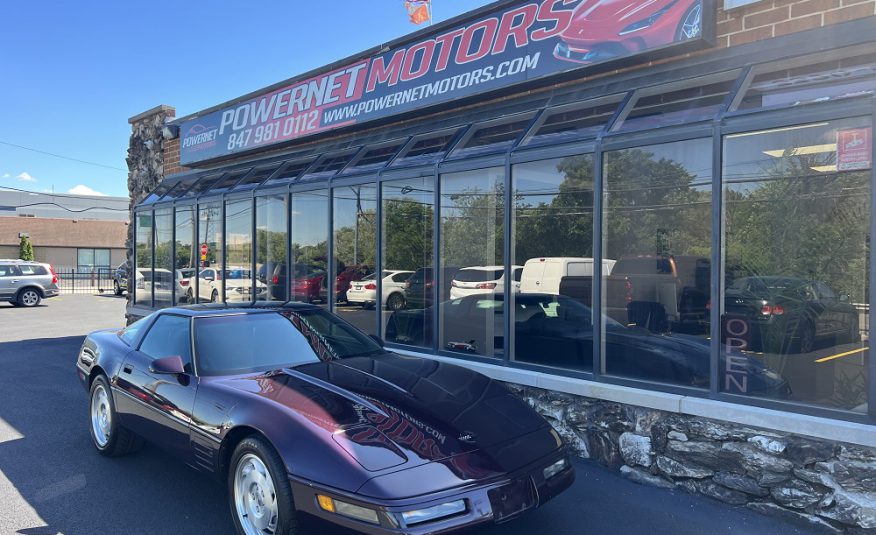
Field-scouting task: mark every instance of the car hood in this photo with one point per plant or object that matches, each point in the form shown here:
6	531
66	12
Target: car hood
393	412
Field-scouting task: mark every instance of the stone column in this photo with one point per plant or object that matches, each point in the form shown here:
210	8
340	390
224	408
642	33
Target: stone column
145	163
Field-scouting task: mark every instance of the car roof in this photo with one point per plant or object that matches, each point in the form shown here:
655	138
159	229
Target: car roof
218	309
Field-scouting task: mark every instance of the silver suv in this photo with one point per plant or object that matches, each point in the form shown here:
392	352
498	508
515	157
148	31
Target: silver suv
26	283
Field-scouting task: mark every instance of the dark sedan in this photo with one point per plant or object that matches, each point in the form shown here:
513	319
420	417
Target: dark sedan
296	410
789	314
556	330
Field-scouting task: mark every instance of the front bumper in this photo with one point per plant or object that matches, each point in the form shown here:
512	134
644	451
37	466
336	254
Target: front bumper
493	501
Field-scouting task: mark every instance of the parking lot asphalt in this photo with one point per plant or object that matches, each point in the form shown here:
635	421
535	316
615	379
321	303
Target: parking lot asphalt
52	480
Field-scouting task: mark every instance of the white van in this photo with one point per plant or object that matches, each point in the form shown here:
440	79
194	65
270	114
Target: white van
543	275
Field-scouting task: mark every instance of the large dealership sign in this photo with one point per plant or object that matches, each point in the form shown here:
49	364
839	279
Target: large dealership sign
516	43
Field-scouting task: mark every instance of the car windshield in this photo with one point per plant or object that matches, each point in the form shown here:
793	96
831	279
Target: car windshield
246	343
478	275
237	274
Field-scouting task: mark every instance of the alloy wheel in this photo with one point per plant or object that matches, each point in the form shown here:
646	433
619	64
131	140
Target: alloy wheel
29	298
255	498
101	416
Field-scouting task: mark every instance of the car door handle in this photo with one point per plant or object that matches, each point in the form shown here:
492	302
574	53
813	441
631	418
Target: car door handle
128	368
14	281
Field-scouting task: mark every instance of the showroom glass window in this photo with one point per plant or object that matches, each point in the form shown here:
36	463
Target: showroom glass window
796	246
238	253
552	246
355	247
657	237
408	218
472	232
308	213
143	260
271	246
186	255
210	239
163	279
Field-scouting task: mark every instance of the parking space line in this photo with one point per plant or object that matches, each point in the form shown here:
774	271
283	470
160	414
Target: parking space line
840	355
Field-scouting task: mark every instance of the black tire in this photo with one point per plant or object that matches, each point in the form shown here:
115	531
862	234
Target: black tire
805	338
116	288
691	24
287	519
120	441
214	297
28	297
190	297
395	301
854	334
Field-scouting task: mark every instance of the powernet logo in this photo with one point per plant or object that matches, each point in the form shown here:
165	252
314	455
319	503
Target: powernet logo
199	137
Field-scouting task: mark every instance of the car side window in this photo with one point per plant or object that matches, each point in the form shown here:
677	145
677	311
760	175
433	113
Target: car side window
825	292
170	335
32	270
6	270
400	277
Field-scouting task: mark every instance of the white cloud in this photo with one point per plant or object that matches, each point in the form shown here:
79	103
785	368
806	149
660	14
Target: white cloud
25	177
6	175
81	189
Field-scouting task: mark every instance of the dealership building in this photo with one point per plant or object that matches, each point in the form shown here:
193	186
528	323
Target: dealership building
708	164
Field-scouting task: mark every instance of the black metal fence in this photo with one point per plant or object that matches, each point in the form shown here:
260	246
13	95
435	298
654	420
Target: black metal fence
97	280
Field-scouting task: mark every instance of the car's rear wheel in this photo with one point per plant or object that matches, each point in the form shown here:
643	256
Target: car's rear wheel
108	435
805	338
259	492
29	297
116	288
395	302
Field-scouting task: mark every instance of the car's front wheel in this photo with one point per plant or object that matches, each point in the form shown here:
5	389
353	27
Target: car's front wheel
107	434
116	288
259	492
29	297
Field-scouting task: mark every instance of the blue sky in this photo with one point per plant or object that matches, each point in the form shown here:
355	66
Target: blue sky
72	73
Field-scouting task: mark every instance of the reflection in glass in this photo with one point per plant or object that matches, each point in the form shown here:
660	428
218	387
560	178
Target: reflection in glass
162	275
309	255
143	260
472	230
657	235
209	282
271	246
355	248
186	255
552	233
408	217
797	244
238	254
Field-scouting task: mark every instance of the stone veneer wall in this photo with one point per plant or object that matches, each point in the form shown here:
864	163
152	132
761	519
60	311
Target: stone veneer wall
145	161
828	485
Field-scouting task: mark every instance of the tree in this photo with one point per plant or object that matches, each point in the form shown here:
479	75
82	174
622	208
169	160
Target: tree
25	249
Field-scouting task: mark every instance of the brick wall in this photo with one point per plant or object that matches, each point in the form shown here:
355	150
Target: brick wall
774	18
171	158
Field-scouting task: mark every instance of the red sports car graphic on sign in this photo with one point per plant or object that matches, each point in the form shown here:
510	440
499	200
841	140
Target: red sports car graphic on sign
605	29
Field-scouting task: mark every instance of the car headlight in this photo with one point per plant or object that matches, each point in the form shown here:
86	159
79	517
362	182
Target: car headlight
348	509
555	468
645	23
433	513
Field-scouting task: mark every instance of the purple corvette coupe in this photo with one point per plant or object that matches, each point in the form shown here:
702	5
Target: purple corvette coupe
298	411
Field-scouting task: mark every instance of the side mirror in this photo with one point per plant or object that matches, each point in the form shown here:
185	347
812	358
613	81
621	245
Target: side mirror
377	339
172	365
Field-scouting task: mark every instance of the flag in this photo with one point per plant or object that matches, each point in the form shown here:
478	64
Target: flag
418	10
